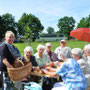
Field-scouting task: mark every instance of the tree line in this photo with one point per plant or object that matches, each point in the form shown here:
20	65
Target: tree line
30	26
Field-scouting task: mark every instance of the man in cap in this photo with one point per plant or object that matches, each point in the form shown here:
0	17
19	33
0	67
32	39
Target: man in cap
51	55
48	82
58	49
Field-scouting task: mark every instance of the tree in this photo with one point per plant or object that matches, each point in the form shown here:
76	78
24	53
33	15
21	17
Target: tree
65	25
2	28
32	22
84	22
9	23
50	30
22	23
28	34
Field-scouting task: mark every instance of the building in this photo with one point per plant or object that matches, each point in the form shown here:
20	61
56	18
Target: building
51	37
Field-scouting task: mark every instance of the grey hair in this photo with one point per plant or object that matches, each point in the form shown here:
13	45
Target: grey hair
87	47
66	52
40	46
28	48
9	32
77	51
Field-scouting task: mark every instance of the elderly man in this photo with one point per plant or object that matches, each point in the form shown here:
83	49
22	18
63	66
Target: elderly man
70	72
51	55
58	49
77	54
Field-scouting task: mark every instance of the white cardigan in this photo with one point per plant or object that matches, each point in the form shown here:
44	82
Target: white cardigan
86	69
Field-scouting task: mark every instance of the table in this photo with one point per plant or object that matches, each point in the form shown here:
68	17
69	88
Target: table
46	80
38	74
35	73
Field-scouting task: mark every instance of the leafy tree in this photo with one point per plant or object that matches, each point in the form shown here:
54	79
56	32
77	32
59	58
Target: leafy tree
32	22
88	21
28	34
2	28
50	30
84	22
65	25
10	23
22	23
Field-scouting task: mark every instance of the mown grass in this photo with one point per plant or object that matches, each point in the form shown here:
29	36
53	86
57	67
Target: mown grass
71	43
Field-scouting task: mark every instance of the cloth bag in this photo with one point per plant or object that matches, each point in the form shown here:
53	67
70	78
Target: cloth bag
32	86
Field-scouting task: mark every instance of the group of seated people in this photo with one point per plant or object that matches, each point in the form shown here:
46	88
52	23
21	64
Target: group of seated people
75	70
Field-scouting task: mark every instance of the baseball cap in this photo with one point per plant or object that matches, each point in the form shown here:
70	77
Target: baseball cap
62	41
48	44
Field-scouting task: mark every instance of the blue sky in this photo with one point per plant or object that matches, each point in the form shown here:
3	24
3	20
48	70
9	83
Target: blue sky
48	11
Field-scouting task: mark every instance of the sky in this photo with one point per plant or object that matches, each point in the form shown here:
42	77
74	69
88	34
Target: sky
48	11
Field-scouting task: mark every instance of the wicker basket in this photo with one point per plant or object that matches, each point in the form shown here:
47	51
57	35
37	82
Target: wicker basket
19	73
88	88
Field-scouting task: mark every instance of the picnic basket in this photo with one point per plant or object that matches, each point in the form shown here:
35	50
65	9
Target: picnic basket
88	88
19	73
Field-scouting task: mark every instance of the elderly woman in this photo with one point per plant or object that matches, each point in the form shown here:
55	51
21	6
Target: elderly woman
84	52
51	55
70	72
41	58
9	54
77	54
28	57
88	53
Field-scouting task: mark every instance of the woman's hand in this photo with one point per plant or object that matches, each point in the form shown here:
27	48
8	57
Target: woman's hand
5	61
50	69
44	71
51	63
35	68
57	63
48	65
10	66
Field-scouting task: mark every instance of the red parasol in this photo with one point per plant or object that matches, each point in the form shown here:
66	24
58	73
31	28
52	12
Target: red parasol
82	34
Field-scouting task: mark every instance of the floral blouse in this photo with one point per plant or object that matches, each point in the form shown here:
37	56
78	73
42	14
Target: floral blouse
72	75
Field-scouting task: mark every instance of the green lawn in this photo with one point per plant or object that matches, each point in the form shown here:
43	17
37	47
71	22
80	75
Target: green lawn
71	43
